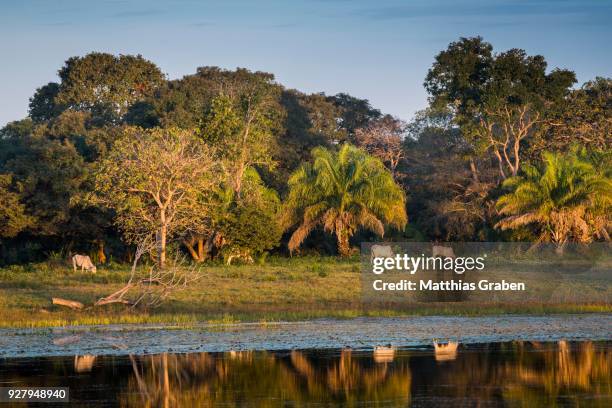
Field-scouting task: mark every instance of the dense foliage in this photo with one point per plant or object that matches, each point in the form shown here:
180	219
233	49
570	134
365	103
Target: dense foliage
569	198
342	192
504	138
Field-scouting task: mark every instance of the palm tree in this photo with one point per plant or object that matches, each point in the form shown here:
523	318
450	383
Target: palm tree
342	191
570	198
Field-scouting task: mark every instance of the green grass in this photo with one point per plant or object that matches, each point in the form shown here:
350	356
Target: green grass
281	290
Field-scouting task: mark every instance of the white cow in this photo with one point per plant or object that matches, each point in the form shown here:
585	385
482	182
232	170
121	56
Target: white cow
442	251
84	262
381	251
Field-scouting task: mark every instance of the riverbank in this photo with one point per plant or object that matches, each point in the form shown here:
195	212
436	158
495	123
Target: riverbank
358	333
281	290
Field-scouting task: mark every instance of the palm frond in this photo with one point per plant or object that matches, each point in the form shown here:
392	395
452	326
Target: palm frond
342	191
562	199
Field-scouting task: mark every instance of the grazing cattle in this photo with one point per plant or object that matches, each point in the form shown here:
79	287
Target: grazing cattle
442	251
83	262
381	251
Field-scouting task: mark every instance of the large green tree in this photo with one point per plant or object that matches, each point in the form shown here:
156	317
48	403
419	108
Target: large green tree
300	121
50	172
342	192
449	185
502	101
103	84
183	102
310	120
355	113
51	161
247	225
569	198
13	217
584	117
157	182
241	122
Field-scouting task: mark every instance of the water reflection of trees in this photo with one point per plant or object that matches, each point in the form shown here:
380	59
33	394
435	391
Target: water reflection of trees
503	374
262	379
522	374
564	371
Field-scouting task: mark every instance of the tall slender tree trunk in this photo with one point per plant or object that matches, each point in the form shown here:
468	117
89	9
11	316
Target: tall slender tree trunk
162	236
162	246
201	253
517	157
241	167
500	163
238	178
474	170
344	248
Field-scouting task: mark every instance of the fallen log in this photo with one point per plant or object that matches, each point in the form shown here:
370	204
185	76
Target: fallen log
107	301
72	304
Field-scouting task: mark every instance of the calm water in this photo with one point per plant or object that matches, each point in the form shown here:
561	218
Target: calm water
493	374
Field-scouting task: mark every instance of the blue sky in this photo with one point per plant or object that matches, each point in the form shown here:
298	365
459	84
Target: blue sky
379	50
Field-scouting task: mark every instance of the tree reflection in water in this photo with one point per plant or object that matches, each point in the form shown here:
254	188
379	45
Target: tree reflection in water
495	374
264	378
516	373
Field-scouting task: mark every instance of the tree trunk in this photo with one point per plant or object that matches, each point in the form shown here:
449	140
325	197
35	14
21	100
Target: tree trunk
201	253
517	157
560	248
500	163
238	179
474	170
344	248
101	254
129	255
161	246
73	304
198	253
209	244
192	252
241	167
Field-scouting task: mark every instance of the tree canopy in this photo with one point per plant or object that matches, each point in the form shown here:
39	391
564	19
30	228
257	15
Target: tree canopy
157	182
569	198
257	158
501	101
104	84
13	218
342	192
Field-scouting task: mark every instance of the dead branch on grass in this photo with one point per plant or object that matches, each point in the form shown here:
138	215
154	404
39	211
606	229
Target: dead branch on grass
157	285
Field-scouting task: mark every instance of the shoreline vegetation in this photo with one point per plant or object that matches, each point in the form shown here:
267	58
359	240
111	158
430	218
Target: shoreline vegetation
117	162
293	289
